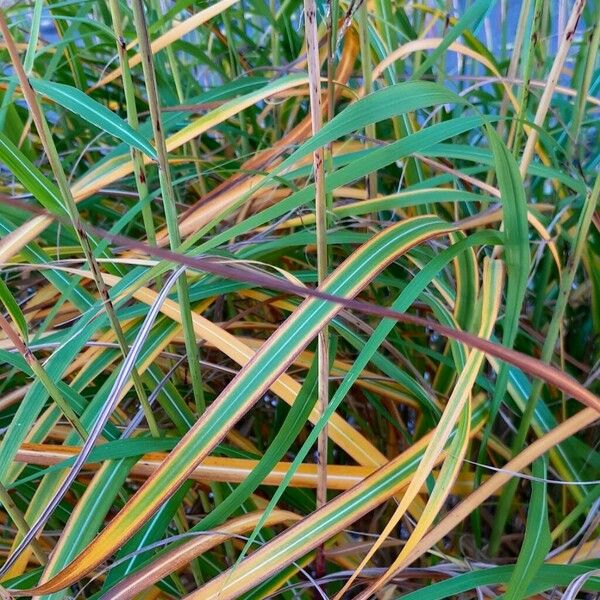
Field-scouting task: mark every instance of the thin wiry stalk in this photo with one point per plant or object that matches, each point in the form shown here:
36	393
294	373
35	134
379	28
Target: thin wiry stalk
314	73
139	417
70	206
168	197
175	72
331	39
235	71
275	61
332	31
28	61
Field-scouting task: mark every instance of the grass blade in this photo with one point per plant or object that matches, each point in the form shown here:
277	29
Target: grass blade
93	112
537	542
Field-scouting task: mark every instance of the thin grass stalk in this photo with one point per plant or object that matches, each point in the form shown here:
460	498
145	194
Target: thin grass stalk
552	81
514	62
314	73
235	70
176	77
412	171
6	102
175	72
34	33
365	61
216	487
385	19
21	524
590	65
332	32
70	206
275	59
532	44
168	197
157	5
139	168
70	49
137	159
39	371
548	347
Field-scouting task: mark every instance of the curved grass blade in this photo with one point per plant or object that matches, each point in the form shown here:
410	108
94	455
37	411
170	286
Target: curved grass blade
416	95
131	556
470	20
88	516
93	112
546	578
537	541
32	179
492	293
168	562
536	449
531	365
334	517
96	430
13	309
405	299
384	483
251	252
294	421
213	468
517	259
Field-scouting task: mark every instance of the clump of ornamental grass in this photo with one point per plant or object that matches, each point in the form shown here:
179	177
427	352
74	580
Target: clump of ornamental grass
299	299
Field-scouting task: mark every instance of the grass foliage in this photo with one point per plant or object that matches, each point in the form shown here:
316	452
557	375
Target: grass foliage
299	299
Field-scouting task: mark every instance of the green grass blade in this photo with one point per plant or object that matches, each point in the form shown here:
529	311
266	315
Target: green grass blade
93	112
537	542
